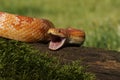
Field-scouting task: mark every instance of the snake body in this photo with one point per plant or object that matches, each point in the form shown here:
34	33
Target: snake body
23	28
29	29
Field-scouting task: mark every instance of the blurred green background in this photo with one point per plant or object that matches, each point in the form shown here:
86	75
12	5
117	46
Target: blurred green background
100	19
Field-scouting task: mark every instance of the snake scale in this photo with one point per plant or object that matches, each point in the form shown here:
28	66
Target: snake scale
27	29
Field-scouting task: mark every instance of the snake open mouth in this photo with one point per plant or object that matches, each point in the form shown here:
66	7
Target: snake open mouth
56	42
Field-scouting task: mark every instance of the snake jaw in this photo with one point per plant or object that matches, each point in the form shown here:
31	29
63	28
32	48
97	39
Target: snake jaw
57	38
58	43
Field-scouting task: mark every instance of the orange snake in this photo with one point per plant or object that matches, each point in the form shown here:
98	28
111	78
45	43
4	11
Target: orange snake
29	29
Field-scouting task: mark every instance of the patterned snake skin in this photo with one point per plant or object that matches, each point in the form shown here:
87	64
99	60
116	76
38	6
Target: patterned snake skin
28	29
23	28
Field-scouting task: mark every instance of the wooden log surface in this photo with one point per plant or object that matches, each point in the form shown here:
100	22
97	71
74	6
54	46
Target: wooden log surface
104	63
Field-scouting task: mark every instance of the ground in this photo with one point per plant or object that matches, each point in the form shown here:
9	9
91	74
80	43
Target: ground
104	63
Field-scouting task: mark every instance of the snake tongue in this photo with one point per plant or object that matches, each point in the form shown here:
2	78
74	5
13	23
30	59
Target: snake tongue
54	45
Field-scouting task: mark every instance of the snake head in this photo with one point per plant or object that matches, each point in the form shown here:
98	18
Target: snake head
60	37
76	36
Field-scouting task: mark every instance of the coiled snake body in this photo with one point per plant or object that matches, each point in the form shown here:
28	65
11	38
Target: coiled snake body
29	29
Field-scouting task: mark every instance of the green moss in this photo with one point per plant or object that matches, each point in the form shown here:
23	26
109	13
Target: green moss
19	61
